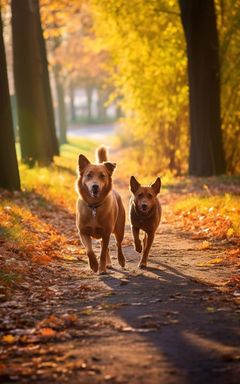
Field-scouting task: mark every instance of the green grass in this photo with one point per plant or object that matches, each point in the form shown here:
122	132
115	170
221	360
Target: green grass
75	146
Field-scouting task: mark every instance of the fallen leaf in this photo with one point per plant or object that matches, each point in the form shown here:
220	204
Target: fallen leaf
210	309
234	252
230	232
204	245
41	259
127	329
217	260
47	332
8	339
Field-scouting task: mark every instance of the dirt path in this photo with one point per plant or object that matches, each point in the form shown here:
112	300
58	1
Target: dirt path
172	323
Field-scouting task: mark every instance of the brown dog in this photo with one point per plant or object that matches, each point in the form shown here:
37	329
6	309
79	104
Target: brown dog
145	214
100	211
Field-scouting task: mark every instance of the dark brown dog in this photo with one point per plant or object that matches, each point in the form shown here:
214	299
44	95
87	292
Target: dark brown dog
100	211
145	214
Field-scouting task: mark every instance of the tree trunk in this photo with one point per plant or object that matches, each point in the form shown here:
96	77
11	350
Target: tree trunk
206	148
72	103
33	116
47	88
89	93
102	98
9	175
61	105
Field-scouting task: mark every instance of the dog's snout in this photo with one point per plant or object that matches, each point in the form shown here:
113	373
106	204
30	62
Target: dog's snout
144	207
95	188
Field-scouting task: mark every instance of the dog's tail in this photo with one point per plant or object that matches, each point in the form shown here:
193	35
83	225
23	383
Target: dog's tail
101	154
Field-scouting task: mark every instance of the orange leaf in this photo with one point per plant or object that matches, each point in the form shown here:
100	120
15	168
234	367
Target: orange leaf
41	259
234	252
47	332
9	339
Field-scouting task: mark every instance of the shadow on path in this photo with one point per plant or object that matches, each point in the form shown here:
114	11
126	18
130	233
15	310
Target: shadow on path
183	319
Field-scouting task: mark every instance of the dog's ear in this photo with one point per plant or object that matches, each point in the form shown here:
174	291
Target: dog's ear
134	184
156	186
110	166
82	163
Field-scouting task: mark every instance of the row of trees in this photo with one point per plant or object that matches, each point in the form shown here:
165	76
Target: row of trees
64	29
157	54
75	60
174	62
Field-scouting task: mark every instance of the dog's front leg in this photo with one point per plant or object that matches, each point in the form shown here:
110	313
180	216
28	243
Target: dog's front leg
108	259
148	244
103	255
137	242
87	242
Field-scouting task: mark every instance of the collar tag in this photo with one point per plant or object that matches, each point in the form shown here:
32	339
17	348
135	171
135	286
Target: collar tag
94	211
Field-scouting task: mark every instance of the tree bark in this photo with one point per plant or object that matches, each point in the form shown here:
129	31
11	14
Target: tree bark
47	88
89	92
102	98
62	121
72	103
33	116
206	148
9	175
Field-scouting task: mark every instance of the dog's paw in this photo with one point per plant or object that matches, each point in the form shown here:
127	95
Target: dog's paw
93	263
121	260
103	273
138	247
102	270
109	266
142	266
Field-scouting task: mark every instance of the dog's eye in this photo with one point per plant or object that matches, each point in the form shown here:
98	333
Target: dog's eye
140	195
102	176
149	195
89	175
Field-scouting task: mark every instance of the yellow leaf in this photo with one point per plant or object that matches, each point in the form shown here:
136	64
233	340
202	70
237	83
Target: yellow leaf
230	232
8	339
217	260
210	309
205	245
208	263
202	264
